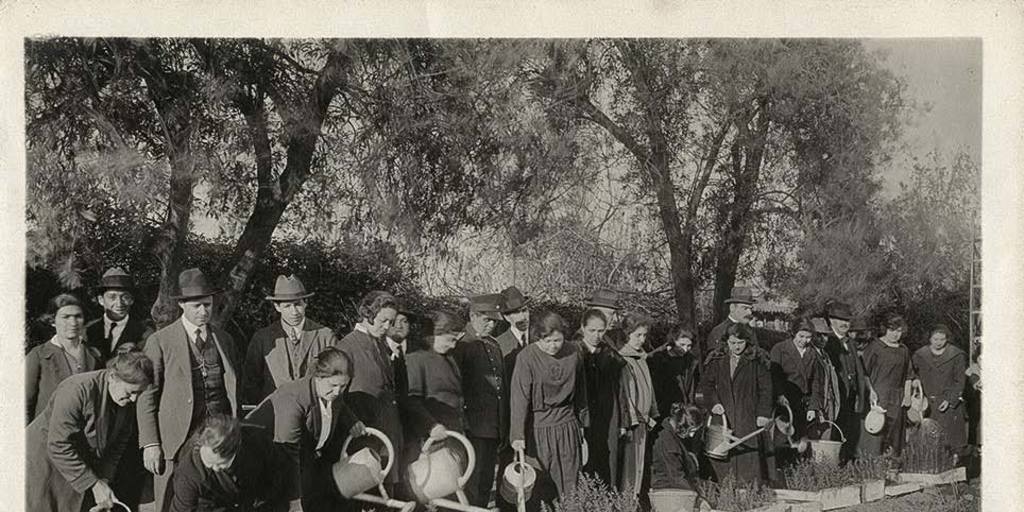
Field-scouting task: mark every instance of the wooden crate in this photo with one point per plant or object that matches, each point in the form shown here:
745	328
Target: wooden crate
872	490
830	499
805	506
928	480
901	489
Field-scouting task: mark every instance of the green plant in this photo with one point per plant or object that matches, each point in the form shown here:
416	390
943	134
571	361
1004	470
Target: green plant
871	467
735	496
810	475
927	454
593	495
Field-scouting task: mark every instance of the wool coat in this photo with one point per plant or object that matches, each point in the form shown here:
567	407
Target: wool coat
45	368
944	377
484	386
77	440
267	360
801	379
134	333
675	378
674	463
608	405
435	393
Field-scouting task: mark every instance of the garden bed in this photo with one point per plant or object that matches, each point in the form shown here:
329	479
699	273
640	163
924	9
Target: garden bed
951	476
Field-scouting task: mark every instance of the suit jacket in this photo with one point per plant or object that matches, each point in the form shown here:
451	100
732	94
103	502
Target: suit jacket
165	408
135	331
509	345
76	441
253	476
850	371
45	368
800	379
267	365
484	386
292	414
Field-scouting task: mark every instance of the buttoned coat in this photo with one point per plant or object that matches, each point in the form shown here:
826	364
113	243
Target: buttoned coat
135	332
267	364
944	378
77	440
801	379
484	386
850	371
45	368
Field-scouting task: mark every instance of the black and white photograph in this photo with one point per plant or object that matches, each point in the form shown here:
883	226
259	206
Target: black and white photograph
417	270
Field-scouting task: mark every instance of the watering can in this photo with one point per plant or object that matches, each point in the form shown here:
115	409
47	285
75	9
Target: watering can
518	480
720	439
824	450
436	473
361	471
918	405
785	427
875	419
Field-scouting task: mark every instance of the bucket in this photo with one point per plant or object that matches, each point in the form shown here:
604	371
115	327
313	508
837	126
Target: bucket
672	500
716	437
361	471
517	474
436	473
823	450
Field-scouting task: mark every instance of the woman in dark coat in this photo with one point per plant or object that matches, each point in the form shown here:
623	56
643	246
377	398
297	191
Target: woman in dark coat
674	370
603	368
74	447
798	381
64	355
674	457
890	375
941	368
549	387
737	383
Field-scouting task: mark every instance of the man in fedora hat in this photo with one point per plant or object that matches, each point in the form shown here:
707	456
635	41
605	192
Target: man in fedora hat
852	380
516	312
483	383
116	331
741	310
286	349
607	302
194	377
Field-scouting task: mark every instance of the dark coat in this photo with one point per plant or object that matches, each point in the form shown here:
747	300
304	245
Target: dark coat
675	379
673	464
254	476
78	439
484	386
800	379
943	378
266	359
135	332
435	393
607	405
853	392
45	368
745	396
292	413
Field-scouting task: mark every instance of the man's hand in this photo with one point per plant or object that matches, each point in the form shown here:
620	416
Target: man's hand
102	495
718	409
762	421
811	415
153	459
357	430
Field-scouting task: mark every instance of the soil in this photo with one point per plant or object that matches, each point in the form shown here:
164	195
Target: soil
962	497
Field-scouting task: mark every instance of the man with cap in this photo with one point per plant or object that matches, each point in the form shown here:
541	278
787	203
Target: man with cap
194	377
483	380
852	379
117	331
514	310
740	302
286	349
607	302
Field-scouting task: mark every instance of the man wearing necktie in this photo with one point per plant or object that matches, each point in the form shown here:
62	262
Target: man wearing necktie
117	330
515	311
194	377
286	349
853	388
397	339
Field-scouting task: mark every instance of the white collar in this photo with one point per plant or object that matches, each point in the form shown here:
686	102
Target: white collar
120	323
733	320
520	335
359	327
396	346
296	328
54	341
190	329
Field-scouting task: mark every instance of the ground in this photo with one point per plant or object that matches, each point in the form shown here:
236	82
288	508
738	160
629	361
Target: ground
947	498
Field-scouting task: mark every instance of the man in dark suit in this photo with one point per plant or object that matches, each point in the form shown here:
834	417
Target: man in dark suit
741	310
116	331
284	350
483	383
853	386
228	466
194	366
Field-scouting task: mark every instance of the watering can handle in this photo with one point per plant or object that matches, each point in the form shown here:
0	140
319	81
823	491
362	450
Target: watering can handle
841	435
384	439
725	422
521	484
470	463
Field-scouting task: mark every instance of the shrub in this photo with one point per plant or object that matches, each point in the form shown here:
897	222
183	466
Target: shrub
593	495
927	454
734	496
810	475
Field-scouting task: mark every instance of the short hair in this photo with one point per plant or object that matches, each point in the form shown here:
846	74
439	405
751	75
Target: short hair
60	301
679	331
132	367
222	434
330	362
893	322
943	329
686	415
632	321
373	302
546	324
741	331
594	313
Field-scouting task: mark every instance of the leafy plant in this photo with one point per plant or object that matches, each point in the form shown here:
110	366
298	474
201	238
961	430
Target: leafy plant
735	496
593	495
812	476
927	454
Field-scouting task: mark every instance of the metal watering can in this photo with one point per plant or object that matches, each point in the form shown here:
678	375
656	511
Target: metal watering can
436	474
518	480
720	440
361	471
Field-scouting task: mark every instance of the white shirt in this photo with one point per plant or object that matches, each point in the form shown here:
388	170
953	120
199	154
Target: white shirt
190	330
114	334
842	339
295	330
395	347
359	327
800	350
325	422
519	335
733	320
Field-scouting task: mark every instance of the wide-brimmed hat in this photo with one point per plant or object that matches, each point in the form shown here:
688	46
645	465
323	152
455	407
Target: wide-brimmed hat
192	283
288	289
804	324
488	305
740	295
839	311
604	299
512	300
115	279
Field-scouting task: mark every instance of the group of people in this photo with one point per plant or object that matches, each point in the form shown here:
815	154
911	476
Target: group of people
118	412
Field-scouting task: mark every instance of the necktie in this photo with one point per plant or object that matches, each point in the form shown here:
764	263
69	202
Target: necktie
200	342
110	335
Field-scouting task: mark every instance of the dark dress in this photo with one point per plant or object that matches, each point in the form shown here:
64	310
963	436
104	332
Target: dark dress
603	369
888	369
435	393
745	395
675	378
943	378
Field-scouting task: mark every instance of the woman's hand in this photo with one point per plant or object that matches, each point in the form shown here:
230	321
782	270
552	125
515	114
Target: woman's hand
811	415
651	423
762	421
943	406
519	445
718	409
357	430
872	395
782	401
103	495
438	433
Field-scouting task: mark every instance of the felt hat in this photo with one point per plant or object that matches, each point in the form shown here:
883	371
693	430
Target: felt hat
804	325
604	298
192	284
512	300
740	295
115	279
839	311
288	289
488	305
